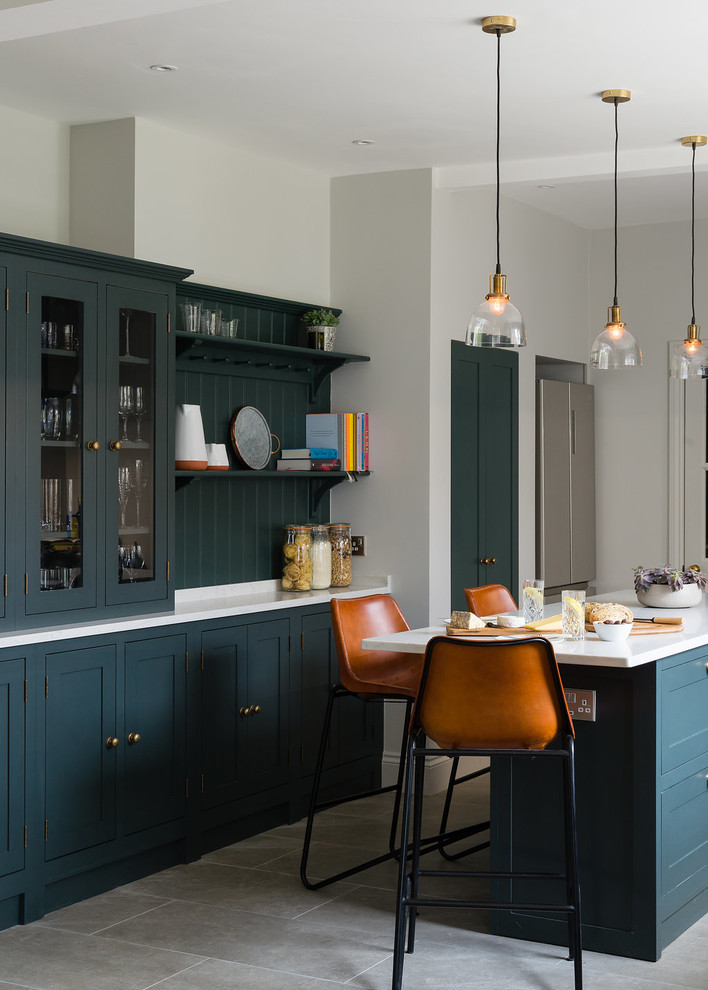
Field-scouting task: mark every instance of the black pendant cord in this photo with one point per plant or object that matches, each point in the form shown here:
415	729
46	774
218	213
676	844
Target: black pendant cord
498	130
693	231
616	143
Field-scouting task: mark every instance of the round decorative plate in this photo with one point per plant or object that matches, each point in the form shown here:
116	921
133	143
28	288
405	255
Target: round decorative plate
251	438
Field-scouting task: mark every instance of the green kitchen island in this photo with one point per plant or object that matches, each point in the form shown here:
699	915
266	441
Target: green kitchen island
642	781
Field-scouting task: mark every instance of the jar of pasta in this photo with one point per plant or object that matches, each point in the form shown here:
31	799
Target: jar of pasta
340	538
297	561
321	553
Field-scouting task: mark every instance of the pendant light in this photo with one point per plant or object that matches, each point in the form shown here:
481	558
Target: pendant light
615	347
690	359
497	322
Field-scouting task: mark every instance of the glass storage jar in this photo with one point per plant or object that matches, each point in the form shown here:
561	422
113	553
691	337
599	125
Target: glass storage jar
297	562
340	537
321	554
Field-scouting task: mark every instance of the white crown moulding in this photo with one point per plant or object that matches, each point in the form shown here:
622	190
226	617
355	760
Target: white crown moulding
572	168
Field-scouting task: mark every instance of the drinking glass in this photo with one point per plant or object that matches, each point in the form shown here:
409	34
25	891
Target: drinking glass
125	407
139	410
191	316
127	331
532	599
125	486
573	612
140	480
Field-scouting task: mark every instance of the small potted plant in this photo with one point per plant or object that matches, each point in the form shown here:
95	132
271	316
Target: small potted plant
320	325
668	587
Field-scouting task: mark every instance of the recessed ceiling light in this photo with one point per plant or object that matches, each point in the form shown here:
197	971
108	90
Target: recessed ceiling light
545	187
163	68
362	141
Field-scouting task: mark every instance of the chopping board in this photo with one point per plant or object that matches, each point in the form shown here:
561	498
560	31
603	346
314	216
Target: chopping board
638	629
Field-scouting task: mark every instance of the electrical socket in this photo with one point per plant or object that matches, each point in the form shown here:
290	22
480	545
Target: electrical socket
581	703
358	546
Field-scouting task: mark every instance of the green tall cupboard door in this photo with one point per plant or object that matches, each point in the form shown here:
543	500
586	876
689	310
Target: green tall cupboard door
138	405
154	732
484	469
10	400
62	449
223	674
12	765
80	749
264	730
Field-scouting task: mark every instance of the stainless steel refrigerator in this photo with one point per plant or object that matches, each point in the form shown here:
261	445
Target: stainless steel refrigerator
565	484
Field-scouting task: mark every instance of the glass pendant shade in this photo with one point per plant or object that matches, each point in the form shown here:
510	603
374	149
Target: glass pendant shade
496	323
615	347
689	359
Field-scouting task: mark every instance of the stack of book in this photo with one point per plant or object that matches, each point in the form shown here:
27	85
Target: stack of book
347	433
309	459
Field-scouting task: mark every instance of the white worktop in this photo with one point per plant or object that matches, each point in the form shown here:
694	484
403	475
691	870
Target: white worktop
591	651
198	604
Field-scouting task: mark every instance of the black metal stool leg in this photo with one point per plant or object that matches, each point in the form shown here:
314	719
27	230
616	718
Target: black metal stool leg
418	787
571	870
393	835
403	891
471	829
333	692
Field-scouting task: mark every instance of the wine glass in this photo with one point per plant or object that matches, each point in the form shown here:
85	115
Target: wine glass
139	410
125	486
125	408
140	480
127	328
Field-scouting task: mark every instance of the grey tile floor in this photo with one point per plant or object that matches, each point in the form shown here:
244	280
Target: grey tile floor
239	918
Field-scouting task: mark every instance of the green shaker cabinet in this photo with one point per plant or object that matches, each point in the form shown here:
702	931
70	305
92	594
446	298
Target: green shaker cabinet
87	358
484	469
12	765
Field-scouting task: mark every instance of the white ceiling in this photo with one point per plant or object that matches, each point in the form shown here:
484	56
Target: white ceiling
301	79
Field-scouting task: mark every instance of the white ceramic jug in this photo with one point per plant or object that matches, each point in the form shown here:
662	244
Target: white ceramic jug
190	448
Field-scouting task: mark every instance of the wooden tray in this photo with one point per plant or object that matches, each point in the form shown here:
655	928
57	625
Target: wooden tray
491	631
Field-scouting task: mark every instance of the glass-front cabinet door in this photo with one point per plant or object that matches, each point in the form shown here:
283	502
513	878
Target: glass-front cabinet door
136	464
61	445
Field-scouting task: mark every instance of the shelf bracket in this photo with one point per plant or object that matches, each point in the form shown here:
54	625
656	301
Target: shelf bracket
322	372
320	488
182	481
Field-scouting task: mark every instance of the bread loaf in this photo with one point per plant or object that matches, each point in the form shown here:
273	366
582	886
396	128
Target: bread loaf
607	612
465	620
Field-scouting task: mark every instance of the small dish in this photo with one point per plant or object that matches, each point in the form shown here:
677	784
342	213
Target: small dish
612	632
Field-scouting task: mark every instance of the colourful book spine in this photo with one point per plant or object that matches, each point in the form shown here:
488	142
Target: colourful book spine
366	441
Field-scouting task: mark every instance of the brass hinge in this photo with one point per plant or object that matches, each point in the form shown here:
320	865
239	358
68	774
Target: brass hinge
168	572
7	298
25	836
186	787
186	662
290	756
202	660
25	690
27	302
169	322
27	584
46	686
5	584
46	829
203	785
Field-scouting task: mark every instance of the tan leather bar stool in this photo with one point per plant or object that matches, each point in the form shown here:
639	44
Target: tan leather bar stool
496	699
489	599
370	675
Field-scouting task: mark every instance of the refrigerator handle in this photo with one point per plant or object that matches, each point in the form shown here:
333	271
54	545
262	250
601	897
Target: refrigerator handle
573	433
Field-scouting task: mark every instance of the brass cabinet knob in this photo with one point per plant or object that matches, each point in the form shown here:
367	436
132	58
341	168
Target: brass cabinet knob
488	560
133	738
492	560
93	445
244	712
115	445
111	742
255	709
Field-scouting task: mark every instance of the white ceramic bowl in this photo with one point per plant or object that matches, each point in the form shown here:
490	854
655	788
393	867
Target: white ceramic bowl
612	633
